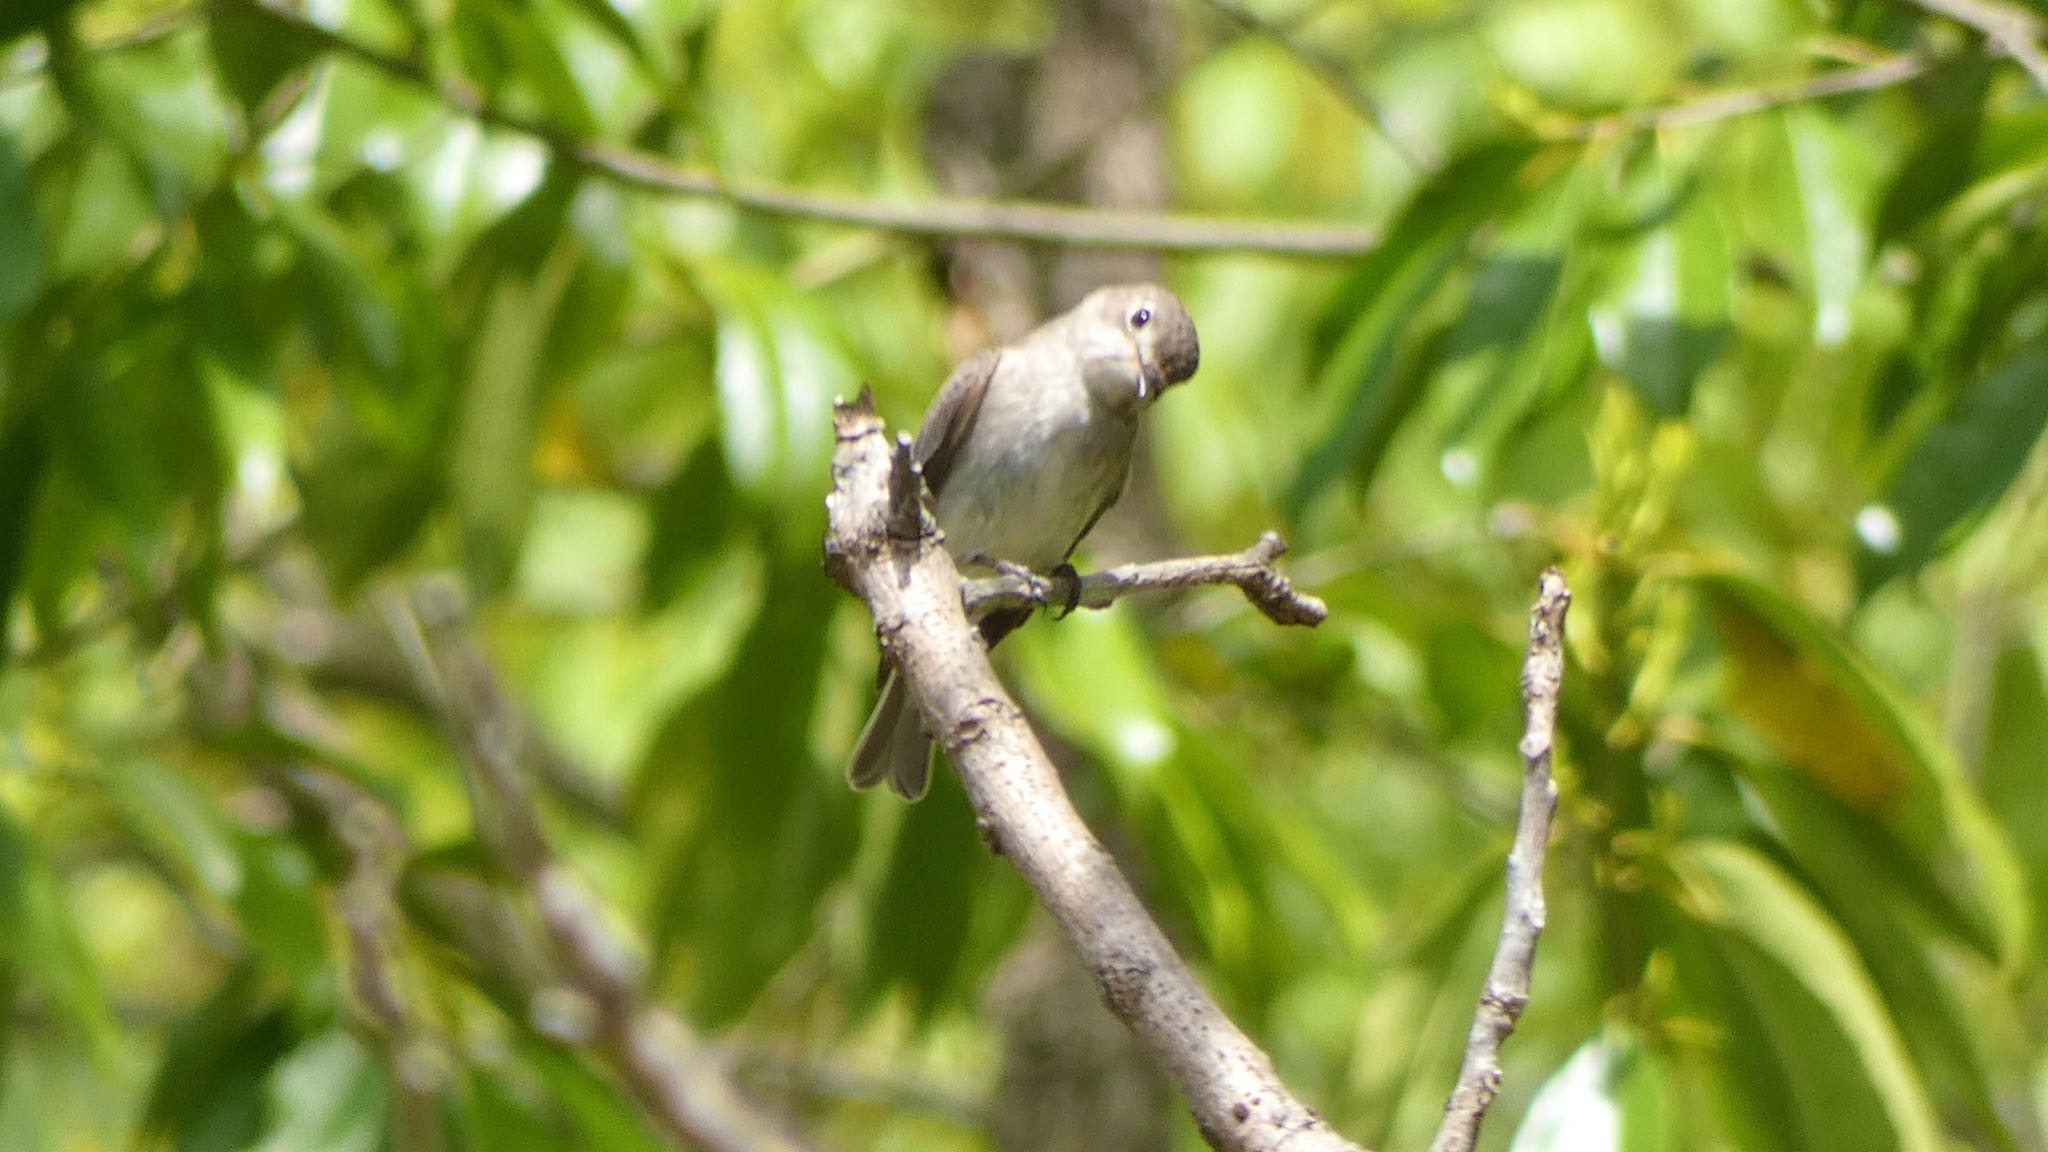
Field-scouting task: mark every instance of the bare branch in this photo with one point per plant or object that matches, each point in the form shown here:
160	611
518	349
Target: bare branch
1336	78
914	592
2010	30
677	1078
1251	570
1507	981
945	217
1737	102
366	898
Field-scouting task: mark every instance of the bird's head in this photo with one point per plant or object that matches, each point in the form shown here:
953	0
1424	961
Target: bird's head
1138	341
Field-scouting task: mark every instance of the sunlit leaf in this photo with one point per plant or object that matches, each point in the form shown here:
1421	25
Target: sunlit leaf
1611	1095
1665	316
327	1095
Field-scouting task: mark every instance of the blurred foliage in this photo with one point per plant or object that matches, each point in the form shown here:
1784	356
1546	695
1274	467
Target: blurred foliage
1764	367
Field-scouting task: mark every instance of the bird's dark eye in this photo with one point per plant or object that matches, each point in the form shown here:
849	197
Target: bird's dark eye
1141	317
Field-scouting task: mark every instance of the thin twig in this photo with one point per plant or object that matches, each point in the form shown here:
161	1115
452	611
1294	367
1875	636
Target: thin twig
366	898
2010	30
1334	77
1507	980
1251	570
32	56
914	592
1748	101
938	217
674	1074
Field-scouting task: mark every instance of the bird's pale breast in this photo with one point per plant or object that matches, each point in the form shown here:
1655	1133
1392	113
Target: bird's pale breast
1042	459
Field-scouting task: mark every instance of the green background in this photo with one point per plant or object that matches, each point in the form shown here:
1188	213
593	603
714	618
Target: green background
1735	309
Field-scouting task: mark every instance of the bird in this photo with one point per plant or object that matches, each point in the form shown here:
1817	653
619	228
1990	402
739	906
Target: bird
1023	449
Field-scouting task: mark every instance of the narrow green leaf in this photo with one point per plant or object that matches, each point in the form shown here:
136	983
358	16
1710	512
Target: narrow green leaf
1665	315
1958	470
208	1092
327	1095
1854	1088
23	452
728	803
1611	1095
1835	720
492	457
922	915
1373	311
21	236
1837	186
253	54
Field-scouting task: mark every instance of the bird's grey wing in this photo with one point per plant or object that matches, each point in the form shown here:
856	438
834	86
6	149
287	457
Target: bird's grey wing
950	420
1108	498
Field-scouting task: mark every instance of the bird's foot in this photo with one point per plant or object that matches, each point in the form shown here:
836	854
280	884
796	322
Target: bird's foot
1060	588
1068	579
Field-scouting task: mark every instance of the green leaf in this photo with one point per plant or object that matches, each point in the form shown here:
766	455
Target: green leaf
1930	176
181	823
938	868
1612	1094
1836	180
1886	901
253	54
2015	789
1959	469
1851	1085
1831	718
327	1095
208	1092
492	457
1375	307
778	367
23	452
1664	316
504	46
21	234
20	16
729	802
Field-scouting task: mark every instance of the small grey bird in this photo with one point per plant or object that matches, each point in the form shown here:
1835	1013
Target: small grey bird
1024	448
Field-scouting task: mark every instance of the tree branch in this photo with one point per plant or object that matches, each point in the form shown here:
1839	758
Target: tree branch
1507	981
914	592
2010	30
1251	570
676	1077
365	895
1729	104
947	217
1335	77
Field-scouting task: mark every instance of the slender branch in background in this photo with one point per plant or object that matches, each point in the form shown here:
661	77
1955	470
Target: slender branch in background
32	55
1251	571
914	592
366	898
162	599
1336	78
1507	980
2010	30
1747	101
1011	220
338	651
677	1078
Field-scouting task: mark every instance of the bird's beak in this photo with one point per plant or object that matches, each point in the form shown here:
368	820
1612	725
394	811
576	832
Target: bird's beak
1149	383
